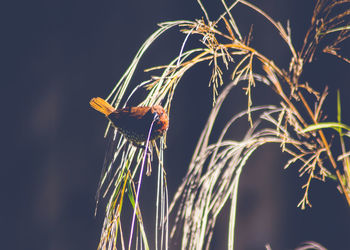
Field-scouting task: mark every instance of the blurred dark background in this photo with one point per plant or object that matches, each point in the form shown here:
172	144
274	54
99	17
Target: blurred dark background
58	54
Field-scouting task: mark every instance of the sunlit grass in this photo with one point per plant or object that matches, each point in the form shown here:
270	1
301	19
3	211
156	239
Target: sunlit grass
212	179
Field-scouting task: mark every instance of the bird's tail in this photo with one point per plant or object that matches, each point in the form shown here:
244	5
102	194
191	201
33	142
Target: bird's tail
101	106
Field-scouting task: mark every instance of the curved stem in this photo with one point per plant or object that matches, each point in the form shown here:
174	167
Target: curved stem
326	145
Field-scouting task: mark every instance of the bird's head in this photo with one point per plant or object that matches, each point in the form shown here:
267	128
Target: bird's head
161	118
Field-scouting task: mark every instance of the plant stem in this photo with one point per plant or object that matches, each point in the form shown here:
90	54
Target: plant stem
329	153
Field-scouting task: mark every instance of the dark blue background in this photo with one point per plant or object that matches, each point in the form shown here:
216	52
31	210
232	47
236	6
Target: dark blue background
56	55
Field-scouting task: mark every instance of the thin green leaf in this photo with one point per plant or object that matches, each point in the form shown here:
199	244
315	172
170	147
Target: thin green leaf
347	27
338	107
323	125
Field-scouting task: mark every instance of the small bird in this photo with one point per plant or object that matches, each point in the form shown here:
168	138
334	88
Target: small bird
134	122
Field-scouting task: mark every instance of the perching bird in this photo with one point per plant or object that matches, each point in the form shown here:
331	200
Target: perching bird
134	122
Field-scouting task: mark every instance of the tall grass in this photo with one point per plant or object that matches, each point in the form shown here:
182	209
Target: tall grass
213	175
